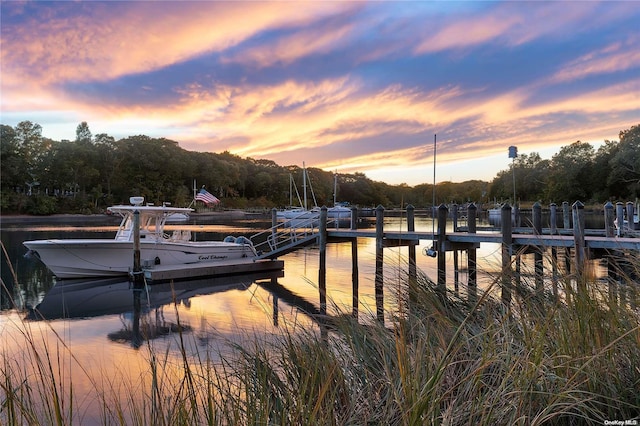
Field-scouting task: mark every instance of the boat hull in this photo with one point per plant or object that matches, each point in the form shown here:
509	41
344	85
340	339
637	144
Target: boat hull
103	258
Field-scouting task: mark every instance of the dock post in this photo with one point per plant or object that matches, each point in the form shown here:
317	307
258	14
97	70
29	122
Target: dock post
442	250
138	282
274	224
355	281
136	338
620	217
322	272
609	230
379	262
630	214
456	273
566	215
454	216
566	221
411	227
354	218
137	268
537	229
578	237
609	226
472	283
553	218
553	226
507	239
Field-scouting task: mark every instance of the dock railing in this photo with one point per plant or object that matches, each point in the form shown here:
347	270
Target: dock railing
287	235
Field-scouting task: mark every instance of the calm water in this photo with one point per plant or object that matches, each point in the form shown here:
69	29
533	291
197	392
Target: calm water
111	330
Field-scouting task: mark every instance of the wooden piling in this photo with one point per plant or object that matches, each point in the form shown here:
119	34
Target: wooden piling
354	218
613	276
472	214
138	278
537	229
620	217
566	221
456	266
411	227
274	224
630	214
553	228
355	281
507	248
454	216
578	237
322	272
136	338
379	293
472	263
609	226
442	252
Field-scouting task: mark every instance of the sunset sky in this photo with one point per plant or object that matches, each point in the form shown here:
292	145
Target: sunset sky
343	86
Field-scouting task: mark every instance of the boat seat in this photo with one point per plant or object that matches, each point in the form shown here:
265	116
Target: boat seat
181	235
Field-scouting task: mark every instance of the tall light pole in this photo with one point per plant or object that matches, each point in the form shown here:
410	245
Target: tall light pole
513	153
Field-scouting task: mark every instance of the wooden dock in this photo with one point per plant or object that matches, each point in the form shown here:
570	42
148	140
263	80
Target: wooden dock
576	242
573	239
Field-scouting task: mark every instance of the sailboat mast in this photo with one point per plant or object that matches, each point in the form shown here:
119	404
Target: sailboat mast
335	187
304	183
194	189
290	190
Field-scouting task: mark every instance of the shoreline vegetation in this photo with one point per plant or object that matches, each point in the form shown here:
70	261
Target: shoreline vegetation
443	358
93	172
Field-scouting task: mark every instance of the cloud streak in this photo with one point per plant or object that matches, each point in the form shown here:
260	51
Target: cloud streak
352	86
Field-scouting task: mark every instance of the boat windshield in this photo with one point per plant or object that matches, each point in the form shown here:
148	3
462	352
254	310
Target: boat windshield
151	224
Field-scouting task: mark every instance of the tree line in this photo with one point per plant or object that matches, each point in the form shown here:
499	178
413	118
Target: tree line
86	175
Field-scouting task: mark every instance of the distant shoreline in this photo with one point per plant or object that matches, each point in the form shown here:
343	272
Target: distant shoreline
16	218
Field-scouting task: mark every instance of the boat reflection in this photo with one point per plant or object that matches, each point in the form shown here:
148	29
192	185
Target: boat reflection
141	309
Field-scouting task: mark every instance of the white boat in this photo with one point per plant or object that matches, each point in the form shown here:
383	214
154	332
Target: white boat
83	258
177	217
340	210
301	212
494	215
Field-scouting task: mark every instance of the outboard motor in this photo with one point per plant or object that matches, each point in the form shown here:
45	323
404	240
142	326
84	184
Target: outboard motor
229	239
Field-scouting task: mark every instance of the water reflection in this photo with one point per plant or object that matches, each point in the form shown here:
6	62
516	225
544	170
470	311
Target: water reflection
141	310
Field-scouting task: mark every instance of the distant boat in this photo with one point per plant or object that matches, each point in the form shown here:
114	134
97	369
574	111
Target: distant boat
84	258
176	217
301	212
494	215
340	210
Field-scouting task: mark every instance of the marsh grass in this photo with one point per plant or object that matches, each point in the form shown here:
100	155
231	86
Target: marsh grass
442	358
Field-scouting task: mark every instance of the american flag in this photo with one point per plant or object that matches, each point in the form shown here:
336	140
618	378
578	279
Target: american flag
206	197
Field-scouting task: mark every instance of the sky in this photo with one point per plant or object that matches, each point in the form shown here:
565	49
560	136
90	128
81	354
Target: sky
342	86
